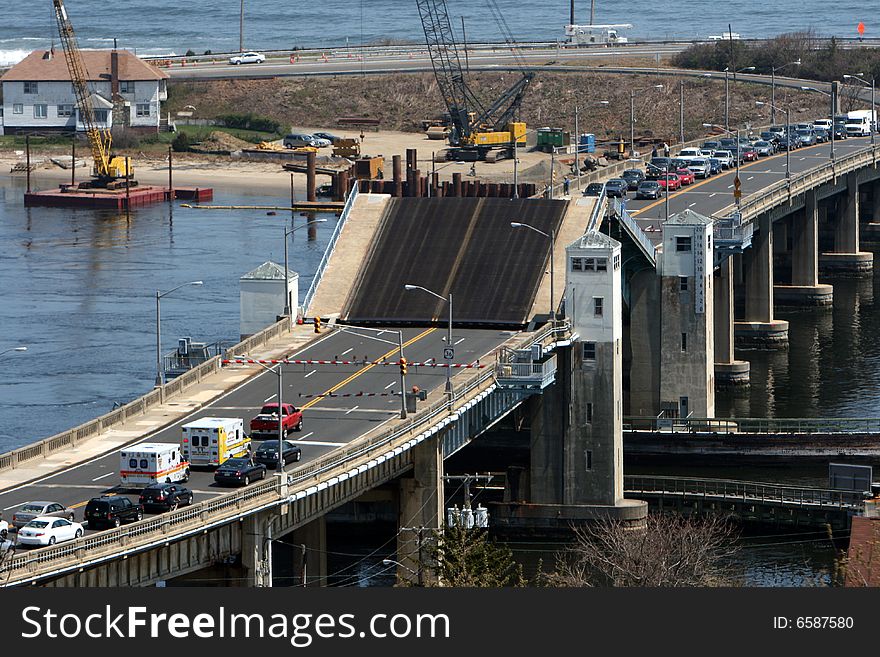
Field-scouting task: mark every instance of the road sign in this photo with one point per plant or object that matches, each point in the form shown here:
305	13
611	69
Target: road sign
448	353
737	187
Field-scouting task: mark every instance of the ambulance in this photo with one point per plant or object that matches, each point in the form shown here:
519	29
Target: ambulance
209	441
151	463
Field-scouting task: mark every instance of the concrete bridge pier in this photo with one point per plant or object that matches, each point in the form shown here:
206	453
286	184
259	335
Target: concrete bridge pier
846	257
420	513
728	370
310	553
805	289
256	549
869	236
758	329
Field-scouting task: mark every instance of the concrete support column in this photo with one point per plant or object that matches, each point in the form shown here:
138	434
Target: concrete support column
421	511
875	202
310	553
728	370
548	412
256	550
758	328
846	257
805	289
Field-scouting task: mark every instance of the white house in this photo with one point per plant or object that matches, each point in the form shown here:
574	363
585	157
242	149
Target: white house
38	95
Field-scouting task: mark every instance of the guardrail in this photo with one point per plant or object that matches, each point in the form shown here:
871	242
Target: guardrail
784	190
319	272
636	232
157	530
744	490
742	425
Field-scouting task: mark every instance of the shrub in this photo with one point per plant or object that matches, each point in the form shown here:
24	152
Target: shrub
181	142
250	121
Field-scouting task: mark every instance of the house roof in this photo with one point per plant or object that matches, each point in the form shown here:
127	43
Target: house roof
688	217
40	65
594	239
269	271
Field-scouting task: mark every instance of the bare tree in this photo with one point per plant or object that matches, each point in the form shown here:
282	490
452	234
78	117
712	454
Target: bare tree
671	550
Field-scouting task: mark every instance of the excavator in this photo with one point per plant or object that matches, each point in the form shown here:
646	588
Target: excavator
111	171
475	132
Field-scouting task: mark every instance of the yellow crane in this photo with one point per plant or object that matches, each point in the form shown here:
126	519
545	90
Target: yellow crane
109	168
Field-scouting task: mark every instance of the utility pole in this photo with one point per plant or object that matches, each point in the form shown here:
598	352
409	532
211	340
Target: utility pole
577	147
241	28
467	64
592	11
515	168
681	112
571	13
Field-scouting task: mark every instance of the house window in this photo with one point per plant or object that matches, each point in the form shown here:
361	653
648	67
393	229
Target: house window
682	244
616	262
126	86
18	108
589	264
601	264
101	115
31	87
598	306
589	413
683	283
65	110
684	341
577	264
40	111
588	454
589	350
143	109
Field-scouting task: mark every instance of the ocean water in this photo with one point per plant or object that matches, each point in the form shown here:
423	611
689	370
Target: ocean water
161	27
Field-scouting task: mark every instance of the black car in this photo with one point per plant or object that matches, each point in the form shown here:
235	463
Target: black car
649	189
239	471
821	135
594	189
634	177
727	144
267	454
327	135
715	165
712	145
111	511
772	137
661	162
616	187
840	131
166	496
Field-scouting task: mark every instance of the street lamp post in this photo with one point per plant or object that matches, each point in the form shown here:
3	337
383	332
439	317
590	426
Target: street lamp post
727	92
6	351
760	103
349	328
160	370
632	116
448	300
833	112
873	121
287	233
773	70
279	467
552	237
737	193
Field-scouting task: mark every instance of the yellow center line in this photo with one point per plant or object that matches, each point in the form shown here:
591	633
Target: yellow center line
365	370
692	186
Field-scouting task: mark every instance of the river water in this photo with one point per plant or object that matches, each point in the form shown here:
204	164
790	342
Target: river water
161	27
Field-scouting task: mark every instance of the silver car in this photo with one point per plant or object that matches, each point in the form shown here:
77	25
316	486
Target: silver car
763	148
31	510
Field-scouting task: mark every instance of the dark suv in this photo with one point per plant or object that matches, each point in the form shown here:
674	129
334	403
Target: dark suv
112	511
166	497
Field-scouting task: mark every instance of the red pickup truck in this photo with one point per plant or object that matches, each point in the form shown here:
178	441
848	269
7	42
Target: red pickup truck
265	425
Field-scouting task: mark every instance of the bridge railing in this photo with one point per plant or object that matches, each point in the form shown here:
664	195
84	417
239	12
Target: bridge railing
743	490
635	231
141	535
746	425
331	246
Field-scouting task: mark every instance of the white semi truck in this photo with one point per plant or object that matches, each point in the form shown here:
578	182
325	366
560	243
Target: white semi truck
859	123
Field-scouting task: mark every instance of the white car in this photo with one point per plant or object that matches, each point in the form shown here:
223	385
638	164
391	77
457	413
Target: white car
47	530
247	58
726	158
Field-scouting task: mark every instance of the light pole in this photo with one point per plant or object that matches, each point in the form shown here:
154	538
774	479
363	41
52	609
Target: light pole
279	467
873	111
448	353
737	192
348	329
632	116
6	351
160	370
773	70
760	103
681	111
287	233
831	96
552	237
392	562
727	92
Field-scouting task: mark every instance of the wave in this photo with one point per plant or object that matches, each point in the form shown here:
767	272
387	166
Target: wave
10	57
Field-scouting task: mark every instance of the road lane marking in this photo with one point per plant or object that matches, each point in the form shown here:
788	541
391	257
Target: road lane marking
353	408
457	341
104	476
14	506
750	177
366	369
347	351
390	385
713	194
730	187
310	433
309	374
692	204
268	398
321	443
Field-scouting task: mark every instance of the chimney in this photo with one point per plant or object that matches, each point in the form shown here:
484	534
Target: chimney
114	72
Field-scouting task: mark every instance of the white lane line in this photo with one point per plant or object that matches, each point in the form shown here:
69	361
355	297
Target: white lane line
347	351
104	476
692	204
457	341
68	486
310	433
14	506
268	398
802	159
750	177
321	443
381	333
390	385
712	194
309	374
353	408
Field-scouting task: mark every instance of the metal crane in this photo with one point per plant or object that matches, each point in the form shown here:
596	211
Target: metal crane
108	168
476	132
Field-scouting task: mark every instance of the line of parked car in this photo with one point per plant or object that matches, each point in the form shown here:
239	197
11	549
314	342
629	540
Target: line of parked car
713	157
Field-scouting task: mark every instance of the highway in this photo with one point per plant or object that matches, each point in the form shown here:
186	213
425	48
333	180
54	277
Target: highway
329	422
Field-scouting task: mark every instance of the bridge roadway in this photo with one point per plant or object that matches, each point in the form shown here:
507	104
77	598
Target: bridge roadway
710	195
329	422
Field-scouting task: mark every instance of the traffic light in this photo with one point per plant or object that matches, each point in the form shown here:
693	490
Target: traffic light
317	324
403	366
